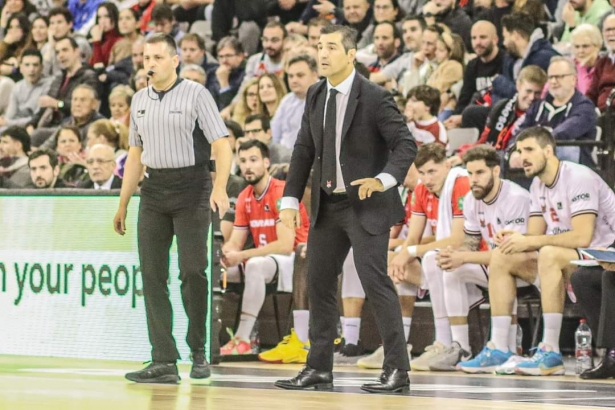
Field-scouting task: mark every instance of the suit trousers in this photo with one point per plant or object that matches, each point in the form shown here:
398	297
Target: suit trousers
595	292
336	230
174	202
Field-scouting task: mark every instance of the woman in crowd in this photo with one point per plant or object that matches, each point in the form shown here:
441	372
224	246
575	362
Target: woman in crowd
39	33
248	104
586	44
450	52
384	10
71	155
119	104
271	90
12	7
104	34
115	135
128	25
14	43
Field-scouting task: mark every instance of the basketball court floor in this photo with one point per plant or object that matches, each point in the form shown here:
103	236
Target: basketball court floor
68	384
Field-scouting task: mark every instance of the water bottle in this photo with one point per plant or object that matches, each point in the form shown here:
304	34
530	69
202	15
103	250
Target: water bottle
255	342
519	340
583	348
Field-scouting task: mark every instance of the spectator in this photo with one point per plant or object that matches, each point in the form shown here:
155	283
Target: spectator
450	53
71	155
387	41
525	45
271	90
384	10
504	117
421	113
23	100
44	169
84	103
358	15
248	102
139	80
12	8
293	42
250	16
302	73
235	132
424	62
566	111
445	12
412	34
57	104
494	14
192	51
194	73
100	163
586	44
323	10
190	11
14	148
104	34
115	135
14	43
603	78
128	26
225	81
271	59
258	127
480	71
144	9
577	12
84	14
119	104
313	30
164	22
121	72
39	32
60	26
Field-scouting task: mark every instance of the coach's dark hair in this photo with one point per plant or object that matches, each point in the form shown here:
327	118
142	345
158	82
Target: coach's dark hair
349	35
165	39
264	119
428	95
18	134
542	135
249	144
482	152
430	152
41	152
307	59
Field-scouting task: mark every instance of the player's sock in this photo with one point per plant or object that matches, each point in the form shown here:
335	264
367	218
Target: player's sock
461	335
302	324
553	327
407	324
352	328
500	328
246	324
512	338
443	331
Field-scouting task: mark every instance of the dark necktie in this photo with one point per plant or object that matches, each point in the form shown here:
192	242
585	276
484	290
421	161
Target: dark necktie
328	172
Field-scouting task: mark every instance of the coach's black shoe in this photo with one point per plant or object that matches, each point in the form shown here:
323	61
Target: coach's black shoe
390	381
604	370
200	367
308	378
156	372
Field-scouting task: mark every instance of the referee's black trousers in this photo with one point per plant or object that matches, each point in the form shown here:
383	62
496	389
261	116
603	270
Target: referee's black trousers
174	202
595	292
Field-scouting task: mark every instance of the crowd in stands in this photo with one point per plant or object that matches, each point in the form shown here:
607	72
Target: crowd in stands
69	69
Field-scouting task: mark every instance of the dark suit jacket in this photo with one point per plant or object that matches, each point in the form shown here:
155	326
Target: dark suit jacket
89	184
375	139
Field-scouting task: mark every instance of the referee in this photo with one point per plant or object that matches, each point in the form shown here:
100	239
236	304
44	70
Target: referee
175	129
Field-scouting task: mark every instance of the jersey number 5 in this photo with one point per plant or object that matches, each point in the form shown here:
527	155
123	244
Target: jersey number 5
262	240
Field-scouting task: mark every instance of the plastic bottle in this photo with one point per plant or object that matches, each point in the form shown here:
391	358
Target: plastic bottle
519	340
583	348
255	342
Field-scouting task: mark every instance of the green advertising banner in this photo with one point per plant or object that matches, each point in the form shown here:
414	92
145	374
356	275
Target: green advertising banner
71	287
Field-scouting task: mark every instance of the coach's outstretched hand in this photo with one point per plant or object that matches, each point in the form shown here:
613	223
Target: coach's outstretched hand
291	218
368	186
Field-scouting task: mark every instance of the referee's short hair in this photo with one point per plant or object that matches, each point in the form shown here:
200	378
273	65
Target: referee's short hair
249	144
264	119
41	152
165	39
349	35
307	59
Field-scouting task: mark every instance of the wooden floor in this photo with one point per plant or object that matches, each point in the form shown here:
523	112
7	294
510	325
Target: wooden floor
66	384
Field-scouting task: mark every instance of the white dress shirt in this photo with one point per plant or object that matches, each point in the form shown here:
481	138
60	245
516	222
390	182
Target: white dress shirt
342	97
106	186
286	122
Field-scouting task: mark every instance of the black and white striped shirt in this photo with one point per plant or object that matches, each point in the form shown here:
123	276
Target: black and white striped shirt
175	127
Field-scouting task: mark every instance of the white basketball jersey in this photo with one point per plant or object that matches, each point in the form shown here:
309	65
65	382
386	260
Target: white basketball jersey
576	190
509	210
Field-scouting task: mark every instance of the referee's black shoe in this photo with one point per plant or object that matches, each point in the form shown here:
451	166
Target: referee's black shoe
200	367
156	372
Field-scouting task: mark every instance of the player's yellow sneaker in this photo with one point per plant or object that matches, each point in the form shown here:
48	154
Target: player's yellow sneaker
289	350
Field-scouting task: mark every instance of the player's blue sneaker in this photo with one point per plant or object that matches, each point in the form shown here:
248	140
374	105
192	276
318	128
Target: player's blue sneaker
486	361
545	362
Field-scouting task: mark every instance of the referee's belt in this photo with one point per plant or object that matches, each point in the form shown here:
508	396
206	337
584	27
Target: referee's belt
210	165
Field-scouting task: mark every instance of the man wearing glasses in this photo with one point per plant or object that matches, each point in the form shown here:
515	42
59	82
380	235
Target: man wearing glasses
227	78
100	162
270	60
258	127
569	114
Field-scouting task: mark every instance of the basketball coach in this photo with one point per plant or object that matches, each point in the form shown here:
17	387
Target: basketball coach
359	148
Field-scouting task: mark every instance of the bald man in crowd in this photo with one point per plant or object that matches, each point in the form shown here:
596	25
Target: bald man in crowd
480	71
100	162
